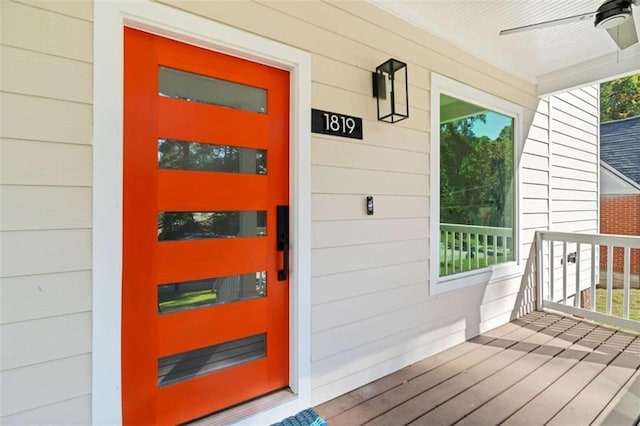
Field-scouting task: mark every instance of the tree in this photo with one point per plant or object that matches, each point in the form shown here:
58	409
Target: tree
620	98
476	175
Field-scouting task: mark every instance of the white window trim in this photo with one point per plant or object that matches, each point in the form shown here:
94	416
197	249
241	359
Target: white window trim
109	19
443	85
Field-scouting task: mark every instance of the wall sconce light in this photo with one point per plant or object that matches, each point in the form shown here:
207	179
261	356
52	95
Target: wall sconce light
391	89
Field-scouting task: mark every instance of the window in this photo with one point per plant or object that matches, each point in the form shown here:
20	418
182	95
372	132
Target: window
474	186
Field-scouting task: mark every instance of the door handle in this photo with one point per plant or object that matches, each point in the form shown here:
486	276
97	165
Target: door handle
282	240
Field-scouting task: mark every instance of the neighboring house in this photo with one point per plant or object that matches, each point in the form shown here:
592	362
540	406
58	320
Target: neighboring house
148	150
620	187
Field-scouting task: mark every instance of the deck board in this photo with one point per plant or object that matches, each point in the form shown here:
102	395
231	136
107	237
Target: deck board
541	368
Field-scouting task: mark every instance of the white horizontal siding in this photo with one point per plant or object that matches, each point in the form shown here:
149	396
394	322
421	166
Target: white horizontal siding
575	99
345	311
537	147
380	357
353	284
352	206
43	252
43	163
52	207
353	258
82	9
535	184
538	177
41	296
41	340
418	338
32	28
46	174
339	180
535	206
52	120
574	171
359	232
337	152
47	383
74	411
537	162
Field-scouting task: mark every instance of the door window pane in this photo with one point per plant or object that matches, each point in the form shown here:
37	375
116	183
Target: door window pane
181	155
201	293
173	226
186	365
476	186
198	88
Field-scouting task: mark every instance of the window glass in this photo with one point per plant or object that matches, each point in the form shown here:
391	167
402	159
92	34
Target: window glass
198	362
213	291
182	155
198	88
476	186
174	226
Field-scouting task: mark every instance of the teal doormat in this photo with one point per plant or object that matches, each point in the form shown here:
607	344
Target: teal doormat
307	417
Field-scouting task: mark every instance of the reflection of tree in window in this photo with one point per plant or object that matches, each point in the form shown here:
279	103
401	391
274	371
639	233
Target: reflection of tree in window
180	155
476	174
476	187
199	225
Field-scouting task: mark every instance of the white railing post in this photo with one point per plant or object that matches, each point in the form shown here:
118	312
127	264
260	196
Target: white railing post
593	278
552	271
627	281
539	272
564	272
609	279
446	251
476	251
576	300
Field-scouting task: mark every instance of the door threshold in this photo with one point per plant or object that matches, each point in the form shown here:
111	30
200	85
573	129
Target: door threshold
246	409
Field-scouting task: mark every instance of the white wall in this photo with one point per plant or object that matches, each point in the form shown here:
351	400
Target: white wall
574	203
45	160
613	182
574	160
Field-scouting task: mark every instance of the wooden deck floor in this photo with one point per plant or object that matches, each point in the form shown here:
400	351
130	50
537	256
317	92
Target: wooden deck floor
540	369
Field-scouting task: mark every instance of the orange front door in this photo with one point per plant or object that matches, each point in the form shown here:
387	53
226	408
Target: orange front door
205	289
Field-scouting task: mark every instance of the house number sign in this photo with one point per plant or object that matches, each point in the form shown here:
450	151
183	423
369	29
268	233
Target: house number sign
332	123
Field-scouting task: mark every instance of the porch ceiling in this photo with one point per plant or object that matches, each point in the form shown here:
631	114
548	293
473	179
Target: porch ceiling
555	58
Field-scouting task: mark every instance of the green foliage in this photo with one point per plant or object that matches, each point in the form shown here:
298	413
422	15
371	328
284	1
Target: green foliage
173	301
470	263
620	98
617	302
476	174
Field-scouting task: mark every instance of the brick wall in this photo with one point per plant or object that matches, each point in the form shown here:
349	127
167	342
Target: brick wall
620	214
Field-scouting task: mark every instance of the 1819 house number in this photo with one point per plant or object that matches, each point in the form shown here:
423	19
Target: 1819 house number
331	123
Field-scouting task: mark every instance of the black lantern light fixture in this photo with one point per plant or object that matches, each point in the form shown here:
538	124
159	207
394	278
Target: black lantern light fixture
391	90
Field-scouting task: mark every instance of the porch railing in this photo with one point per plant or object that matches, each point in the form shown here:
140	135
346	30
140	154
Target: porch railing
569	276
464	247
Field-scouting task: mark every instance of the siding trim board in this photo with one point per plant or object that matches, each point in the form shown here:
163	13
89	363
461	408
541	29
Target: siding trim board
110	17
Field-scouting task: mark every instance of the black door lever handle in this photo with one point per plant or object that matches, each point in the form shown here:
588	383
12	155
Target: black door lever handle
283	240
284	272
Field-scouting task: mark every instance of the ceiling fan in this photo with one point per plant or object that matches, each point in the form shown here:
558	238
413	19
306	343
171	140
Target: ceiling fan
615	16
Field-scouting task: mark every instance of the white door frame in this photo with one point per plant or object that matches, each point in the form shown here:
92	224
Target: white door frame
110	17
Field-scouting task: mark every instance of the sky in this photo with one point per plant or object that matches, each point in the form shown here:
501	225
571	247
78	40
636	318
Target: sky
494	124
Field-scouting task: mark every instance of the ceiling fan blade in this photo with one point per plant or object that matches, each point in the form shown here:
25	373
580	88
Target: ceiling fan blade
625	34
552	23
